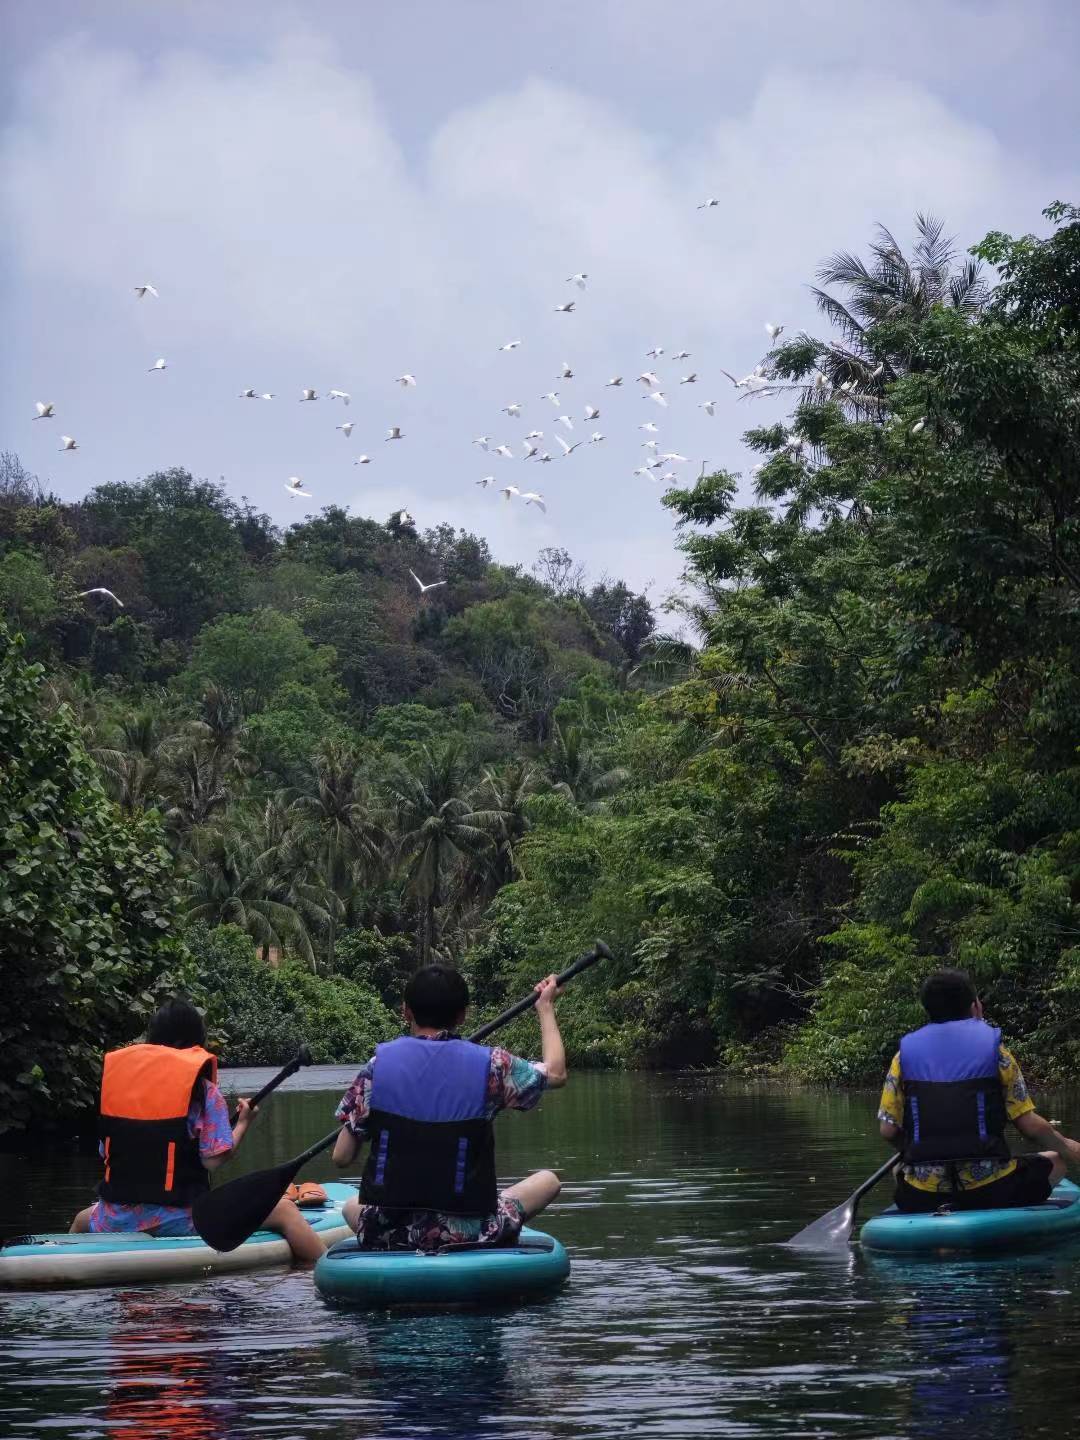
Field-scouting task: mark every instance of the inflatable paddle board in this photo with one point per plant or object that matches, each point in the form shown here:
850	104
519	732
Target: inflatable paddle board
1025	1226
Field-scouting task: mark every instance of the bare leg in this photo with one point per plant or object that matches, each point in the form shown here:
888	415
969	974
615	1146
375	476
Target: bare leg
536	1191
81	1224
287	1220
351	1211
1058	1168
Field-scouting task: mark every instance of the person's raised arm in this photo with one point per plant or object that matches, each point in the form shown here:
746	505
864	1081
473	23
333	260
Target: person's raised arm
346	1147
552	1050
246	1113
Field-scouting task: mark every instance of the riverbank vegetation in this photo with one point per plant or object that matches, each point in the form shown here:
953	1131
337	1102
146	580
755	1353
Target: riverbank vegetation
867	767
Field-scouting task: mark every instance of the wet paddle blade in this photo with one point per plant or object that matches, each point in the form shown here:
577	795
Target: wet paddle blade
830	1232
225	1216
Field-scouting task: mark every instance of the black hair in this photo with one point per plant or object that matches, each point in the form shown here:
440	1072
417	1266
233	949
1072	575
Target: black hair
437	995
948	995
177	1024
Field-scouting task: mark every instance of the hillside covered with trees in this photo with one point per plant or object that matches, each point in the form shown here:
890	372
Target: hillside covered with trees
279	778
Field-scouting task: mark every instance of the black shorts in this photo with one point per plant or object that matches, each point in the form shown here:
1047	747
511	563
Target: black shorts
1029	1184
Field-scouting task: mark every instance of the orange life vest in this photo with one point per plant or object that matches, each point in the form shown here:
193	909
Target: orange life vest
146	1092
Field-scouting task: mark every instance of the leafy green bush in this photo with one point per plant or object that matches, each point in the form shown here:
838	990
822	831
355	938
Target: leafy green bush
86	917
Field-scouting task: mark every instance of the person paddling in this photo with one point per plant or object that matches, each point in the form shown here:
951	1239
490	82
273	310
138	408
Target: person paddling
425	1103
164	1126
950	1092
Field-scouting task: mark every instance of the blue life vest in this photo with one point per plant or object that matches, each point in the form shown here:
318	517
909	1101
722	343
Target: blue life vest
432	1145
954	1108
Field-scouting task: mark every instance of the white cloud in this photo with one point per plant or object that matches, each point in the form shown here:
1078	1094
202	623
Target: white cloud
296	243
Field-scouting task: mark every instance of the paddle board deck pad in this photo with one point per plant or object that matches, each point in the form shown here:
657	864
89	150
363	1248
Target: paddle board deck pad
64	1261
964	1231
481	1275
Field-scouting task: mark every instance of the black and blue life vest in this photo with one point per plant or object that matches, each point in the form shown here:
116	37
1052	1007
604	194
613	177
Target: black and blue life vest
954	1108
432	1145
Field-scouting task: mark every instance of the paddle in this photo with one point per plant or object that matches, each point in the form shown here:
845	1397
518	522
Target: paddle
302	1057
833	1231
227	1215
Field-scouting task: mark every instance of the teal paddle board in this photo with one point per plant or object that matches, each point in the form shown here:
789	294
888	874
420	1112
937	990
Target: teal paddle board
479	1275
1024	1227
63	1261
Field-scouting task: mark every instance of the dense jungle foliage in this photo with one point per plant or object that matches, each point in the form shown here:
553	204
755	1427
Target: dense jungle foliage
277	778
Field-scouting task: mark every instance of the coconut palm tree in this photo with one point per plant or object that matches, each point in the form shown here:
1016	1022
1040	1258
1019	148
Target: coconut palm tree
576	771
438	827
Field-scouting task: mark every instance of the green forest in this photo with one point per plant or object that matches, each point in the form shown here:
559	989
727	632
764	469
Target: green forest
277	778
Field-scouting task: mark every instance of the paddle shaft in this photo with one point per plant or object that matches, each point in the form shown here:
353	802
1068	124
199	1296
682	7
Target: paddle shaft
599	952
302	1057
879	1174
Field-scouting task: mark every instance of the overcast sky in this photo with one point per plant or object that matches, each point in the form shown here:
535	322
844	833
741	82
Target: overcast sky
329	195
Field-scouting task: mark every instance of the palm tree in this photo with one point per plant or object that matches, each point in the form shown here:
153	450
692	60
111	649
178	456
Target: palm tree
134	768
438	827
890	288
504	793
577	772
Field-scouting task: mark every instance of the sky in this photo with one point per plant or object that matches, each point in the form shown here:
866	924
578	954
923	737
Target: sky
333	195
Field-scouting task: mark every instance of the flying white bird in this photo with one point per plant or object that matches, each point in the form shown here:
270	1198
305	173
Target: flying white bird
508	492
68	443
658	396
100	590
406	380
434	585
652	445
487	481
578	280
510	345
673	458
296	487
615	380
482	441
919	426
592	412
567	449
514	409
690	379
532	498
567	309
773	331
158	364
566	373
394	433
247	395
347	428
670	476
565	420
655	464
681	355
753	382
403	518
648	378
530	450
553	396
544	459
45	409
363	460
504	451
267	395
708	204
339	395
307	395
655	352
650	427
643	470
595	437
709	406
535	435
143	290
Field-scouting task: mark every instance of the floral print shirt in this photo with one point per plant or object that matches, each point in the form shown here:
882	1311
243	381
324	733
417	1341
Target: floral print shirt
513	1084
976	1172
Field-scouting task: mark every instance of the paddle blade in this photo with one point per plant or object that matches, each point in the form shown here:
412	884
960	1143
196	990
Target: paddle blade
225	1216
829	1232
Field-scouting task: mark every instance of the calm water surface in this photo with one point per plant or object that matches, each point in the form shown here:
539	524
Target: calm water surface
683	1317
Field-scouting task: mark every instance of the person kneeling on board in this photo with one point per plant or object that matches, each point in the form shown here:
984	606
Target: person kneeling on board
950	1091
426	1103
164	1126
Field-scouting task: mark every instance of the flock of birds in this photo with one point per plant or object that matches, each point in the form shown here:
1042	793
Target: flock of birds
535	447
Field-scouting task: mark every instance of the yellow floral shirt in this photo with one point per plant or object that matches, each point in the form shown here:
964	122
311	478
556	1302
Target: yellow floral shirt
976	1172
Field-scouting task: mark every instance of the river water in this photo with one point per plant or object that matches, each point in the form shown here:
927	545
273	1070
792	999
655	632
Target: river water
684	1315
